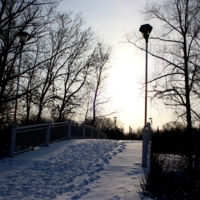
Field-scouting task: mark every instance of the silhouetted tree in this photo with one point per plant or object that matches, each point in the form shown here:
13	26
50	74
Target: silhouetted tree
97	97
107	126
176	50
59	59
16	16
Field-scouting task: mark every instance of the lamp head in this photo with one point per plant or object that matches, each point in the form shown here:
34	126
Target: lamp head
146	30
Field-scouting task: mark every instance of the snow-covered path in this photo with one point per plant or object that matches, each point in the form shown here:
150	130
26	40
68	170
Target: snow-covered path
74	169
120	177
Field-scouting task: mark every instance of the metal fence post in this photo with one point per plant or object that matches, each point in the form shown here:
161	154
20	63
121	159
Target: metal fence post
83	133
92	131
69	129
12	142
48	133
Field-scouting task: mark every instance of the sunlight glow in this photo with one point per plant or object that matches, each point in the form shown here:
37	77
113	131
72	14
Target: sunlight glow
111	20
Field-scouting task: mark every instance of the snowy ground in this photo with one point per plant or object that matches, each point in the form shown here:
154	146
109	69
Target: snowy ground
74	169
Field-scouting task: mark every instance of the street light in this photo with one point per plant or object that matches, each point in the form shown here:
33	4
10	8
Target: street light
146	30
115	120
23	36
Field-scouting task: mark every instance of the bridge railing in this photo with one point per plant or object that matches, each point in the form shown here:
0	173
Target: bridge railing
27	138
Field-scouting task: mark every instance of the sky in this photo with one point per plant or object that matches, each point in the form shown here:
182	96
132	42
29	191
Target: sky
74	169
112	20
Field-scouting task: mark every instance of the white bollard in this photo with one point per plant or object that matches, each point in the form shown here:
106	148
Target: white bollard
145	143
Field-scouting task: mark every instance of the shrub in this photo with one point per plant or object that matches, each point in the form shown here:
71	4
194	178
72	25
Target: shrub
168	179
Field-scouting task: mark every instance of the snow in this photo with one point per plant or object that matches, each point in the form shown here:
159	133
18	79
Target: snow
74	169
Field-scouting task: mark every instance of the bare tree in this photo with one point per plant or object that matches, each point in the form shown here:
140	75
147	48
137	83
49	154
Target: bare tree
102	58
16	16
176	49
76	62
97	98
59	59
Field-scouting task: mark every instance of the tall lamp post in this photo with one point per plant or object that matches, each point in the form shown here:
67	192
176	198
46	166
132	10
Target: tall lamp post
115	120
23	35
146	30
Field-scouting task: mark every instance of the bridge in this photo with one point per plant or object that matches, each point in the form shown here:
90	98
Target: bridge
27	138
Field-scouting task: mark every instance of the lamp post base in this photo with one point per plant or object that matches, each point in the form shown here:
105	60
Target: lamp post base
145	144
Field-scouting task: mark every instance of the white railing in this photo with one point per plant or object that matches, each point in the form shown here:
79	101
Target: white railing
26	138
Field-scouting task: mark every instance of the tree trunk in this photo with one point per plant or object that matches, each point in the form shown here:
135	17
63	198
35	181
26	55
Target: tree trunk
94	108
39	113
188	110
